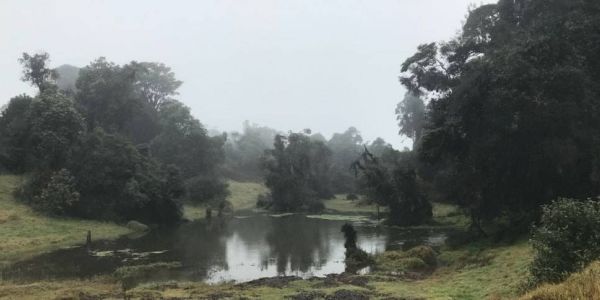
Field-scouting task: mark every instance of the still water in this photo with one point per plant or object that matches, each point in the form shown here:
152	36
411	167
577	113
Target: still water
235	249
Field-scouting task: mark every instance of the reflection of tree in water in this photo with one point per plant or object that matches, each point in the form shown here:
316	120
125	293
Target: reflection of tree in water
297	241
200	246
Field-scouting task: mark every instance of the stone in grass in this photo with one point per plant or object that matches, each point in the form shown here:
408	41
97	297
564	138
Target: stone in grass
137	226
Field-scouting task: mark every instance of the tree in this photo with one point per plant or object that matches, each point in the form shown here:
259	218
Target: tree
183	142
513	116
36	71
106	95
59	196
345	148
55	126
297	173
116	182
394	184
155	82
244	150
410	114
15	151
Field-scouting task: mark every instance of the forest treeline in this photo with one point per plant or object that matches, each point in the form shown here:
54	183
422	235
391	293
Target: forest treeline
112	142
108	142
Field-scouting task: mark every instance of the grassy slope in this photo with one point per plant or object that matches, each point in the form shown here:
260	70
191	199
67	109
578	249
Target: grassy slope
582	285
25	233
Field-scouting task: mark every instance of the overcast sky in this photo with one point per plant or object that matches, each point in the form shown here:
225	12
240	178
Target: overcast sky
287	64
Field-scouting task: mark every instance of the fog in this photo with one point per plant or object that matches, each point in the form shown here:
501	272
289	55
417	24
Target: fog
290	65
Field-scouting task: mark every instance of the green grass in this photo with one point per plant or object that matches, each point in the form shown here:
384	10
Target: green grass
340	205
476	271
582	285
25	233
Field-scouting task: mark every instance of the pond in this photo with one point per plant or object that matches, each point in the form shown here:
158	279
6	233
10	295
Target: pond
239	249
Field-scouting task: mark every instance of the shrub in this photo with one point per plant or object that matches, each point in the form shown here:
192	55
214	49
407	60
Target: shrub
420	258
206	190
57	195
566	240
264	201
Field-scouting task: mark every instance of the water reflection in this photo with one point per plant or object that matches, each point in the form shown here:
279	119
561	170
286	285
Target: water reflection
238	249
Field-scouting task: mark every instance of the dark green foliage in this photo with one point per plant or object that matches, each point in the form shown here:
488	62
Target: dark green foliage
183	142
117	182
36	71
349	235
39	133
513	119
566	240
58	196
106	94
108	177
155	83
297	173
393	183
15	152
209	190
356	258
55	126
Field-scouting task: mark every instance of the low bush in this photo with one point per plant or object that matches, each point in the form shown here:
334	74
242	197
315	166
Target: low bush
420	258
59	195
566	240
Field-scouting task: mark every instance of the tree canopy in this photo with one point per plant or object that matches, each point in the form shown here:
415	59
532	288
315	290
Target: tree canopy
513	113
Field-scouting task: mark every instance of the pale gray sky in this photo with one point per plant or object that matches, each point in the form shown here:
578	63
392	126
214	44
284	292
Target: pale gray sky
287	64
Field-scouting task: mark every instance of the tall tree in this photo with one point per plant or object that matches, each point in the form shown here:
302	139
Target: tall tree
297	173
36	70
155	82
410	114
514	114
106	94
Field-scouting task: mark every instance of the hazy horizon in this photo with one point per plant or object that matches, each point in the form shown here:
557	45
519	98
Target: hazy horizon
287	65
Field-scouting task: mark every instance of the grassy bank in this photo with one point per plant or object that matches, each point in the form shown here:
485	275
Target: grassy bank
582	285
25	233
242	197
477	271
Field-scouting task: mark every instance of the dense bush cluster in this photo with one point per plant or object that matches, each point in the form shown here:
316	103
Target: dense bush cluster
566	240
113	145
297	174
512	119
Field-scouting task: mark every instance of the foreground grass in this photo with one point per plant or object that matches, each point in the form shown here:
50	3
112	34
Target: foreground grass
477	271
25	233
582	285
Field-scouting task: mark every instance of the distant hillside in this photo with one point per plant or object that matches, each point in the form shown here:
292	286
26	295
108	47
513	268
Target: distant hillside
67	76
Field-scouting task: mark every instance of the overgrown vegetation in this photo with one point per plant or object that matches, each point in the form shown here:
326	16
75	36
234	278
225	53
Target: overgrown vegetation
566	240
143	151
297	174
512	120
26	233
